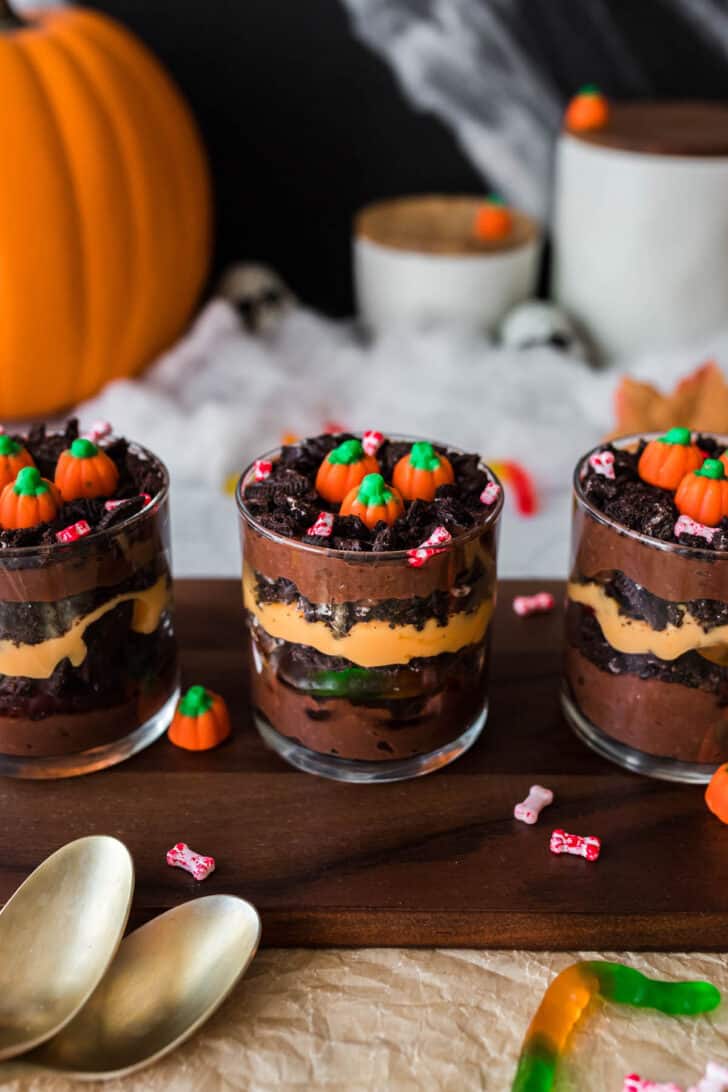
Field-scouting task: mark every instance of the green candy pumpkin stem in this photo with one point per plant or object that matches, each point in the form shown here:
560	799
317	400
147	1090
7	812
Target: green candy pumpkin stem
350	451
711	468
423	456
83	448
195	702
8	446
373	491
493	199
590	89
680	436
29	483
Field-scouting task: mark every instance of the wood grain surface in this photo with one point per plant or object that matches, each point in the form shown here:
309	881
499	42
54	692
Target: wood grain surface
438	861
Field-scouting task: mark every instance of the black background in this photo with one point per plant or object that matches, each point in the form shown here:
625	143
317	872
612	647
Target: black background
303	124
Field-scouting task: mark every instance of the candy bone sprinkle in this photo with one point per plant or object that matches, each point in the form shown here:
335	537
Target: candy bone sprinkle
74	532
603	463
540	603
98	431
568	997
715	1079
490	494
529	809
112	505
262	469
587	846
420	554
323	526
687	526
371	441
181	856
633	1083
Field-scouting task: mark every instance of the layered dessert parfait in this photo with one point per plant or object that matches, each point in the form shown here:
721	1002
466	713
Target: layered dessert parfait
646	678
443	258
88	661
624	170
369	570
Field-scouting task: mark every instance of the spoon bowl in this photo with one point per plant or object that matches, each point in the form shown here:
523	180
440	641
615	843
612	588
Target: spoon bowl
58	934
167	978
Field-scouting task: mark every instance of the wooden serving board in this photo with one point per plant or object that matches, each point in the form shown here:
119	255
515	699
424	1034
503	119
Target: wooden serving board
438	861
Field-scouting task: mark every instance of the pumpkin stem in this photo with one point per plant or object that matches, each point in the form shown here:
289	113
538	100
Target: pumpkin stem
711	468
29	482
495	199
590	89
83	448
8	19
423	456
373	491
196	701
347	453
8	446
680	436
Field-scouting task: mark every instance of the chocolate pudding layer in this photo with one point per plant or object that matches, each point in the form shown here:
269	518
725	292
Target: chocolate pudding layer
664	128
87	647
436	224
647	615
355	651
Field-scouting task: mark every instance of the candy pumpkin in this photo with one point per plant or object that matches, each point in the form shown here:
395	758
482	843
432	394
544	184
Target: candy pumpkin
373	501
28	501
84	470
703	494
588	109
105	208
716	794
419	474
666	461
342	469
493	220
200	722
13	457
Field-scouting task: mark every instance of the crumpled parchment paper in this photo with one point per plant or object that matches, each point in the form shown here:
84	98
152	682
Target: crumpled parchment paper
419	1020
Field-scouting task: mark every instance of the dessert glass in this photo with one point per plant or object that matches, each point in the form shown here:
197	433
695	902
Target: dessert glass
646	662
88	658
362	666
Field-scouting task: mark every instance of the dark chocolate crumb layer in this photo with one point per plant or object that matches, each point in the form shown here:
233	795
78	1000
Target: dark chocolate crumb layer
691	669
137	475
468	592
644	508
287	503
636	602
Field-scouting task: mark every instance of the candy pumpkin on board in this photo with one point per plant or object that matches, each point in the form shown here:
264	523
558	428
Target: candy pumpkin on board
105	209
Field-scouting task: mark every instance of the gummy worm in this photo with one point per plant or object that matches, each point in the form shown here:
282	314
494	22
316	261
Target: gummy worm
568	996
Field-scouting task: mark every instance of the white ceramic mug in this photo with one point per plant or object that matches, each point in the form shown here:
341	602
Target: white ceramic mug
396	284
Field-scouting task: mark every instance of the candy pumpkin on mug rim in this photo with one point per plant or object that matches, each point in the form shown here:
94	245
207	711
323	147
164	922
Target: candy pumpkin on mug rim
13	457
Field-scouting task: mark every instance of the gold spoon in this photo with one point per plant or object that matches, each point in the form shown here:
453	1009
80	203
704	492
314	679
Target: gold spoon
58	934
167	979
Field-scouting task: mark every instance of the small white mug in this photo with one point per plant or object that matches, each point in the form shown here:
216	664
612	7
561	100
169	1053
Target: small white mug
404	275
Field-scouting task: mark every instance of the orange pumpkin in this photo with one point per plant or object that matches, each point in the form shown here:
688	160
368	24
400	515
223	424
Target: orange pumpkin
419	474
588	109
493	220
13	457
201	720
104	209
84	470
666	461
343	469
373	502
716	794
28	501
703	494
